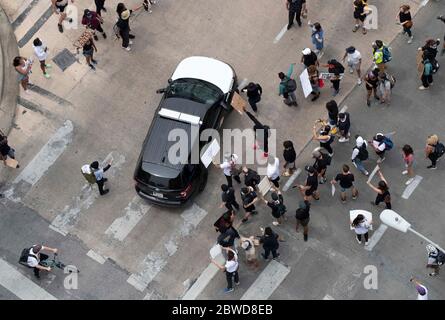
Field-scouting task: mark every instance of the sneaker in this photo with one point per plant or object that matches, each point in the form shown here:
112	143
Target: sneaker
48	66
92	67
354	198
46	75
105	192
380	160
359	241
289	26
94	61
366	173
368	103
265	154
432	274
323	180
342	139
228	290
366	243
351	71
335	93
96	38
422	88
305	237
409	181
410	40
276	256
331	154
237	283
315	97
275	223
432	167
130	42
364	31
359	81
70	20
60	28
356	27
405	172
127	48
104	35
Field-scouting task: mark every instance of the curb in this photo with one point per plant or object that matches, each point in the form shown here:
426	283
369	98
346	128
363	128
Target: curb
9	87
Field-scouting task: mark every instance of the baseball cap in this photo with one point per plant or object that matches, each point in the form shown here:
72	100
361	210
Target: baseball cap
306	51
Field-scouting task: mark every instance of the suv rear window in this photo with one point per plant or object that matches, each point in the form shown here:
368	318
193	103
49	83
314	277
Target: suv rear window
178	182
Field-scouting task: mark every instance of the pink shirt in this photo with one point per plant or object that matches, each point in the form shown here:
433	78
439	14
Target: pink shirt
408	159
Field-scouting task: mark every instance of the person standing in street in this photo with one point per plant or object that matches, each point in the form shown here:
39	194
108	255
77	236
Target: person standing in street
385	88
93	21
41	52
228	198
382	191
405	20
100	6
321	164
35	258
294	7
254	92
309	190
277	206
262	132
332	108
6	150
251	177
59	7
427	74
381	144
436	258
99	174
230	268
317	38
123	24
422	291
302	215
88	49
361	227
287	87
314	78
273	170
289	156
309	58
23	67
249	198
360	154
372	83
336	71
346	180
360	15
433	150
354	60
324	137
343	125
270	243
248	244
230	169
378	53
408	159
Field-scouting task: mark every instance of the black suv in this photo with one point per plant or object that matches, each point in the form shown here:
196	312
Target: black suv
198	95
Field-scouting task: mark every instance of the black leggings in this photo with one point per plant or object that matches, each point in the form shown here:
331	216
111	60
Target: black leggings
433	157
381	198
336	84
427	80
295	13
359	237
327	146
230	276
408	31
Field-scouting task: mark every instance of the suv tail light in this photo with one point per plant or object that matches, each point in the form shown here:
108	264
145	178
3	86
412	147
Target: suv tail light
186	191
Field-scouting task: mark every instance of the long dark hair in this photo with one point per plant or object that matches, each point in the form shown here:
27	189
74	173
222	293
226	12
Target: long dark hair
407	150
17	61
383	186
358	220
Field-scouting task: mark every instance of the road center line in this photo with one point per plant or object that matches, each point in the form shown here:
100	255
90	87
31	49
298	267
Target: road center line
280	34
411	187
291	180
376	236
344	109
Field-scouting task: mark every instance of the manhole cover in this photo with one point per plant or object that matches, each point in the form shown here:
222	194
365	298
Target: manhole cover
64	59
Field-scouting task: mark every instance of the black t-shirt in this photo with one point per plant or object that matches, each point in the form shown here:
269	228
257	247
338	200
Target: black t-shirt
88	46
310	59
274	206
294	4
4	149
344	125
346	180
312	181
360	8
228	196
248	198
255	92
270	242
321	164
290	155
404	16
302	214
123	24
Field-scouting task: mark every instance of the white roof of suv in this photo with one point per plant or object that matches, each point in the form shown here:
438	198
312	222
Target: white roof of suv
208	69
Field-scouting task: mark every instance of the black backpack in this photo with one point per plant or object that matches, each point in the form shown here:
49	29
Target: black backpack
363	153
281	208
440	257
291	85
24	257
439	149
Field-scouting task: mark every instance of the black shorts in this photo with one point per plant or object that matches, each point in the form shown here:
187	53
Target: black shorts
303	222
371	88
359	16
309	192
61	8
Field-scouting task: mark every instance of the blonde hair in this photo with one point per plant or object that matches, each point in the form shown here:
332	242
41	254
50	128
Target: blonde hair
432	139
405	7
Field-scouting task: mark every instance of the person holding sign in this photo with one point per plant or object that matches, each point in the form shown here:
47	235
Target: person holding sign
361	227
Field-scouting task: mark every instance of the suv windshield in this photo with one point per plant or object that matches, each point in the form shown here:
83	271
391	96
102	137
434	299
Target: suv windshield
194	89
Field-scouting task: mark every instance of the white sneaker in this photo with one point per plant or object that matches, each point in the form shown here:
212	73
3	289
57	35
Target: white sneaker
422	88
275	223
409	181
127	48
410	40
351	71
359	241
366	243
405	172
342	139
359	81
366	173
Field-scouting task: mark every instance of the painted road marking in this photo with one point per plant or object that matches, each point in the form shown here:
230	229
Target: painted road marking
344	109
49	95
280	34
67	219
52	150
36	27
376	236
157	259
424	3
96	257
291	180
377	168
267	282
243	84
328	297
134	212
411	187
17	22
20	285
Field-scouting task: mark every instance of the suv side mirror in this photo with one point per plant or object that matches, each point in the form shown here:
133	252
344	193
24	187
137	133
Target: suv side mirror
161	90
225	105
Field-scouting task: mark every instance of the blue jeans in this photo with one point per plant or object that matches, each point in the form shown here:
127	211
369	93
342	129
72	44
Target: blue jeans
359	165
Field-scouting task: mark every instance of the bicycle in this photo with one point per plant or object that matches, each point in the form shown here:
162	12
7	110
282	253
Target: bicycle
55	262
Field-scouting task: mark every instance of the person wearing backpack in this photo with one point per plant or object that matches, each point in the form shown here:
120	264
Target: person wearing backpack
346	180
254	92
249	198
287	87
433	150
381	54
94	174
427	74
360	154
277	206
436	258
35	256
381	144
302	215
336	71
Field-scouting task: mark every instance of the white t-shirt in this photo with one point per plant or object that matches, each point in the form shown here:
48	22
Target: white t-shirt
362	227
32	261
226	166
425	296
273	170
381	146
40	52
354	58
232	265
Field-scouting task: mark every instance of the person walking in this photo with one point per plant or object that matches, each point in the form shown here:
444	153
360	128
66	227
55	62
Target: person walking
332	108
302	216
100	6
249	198
273	170
427	74
99	175
314	78
422	291
309	190
230	169
430	51
251	177
360	15
381	144
343	125
309	58
378	54
336	71
254	92
321	164
353	58
382	191
406	21
433	150
324	137
346	180
6	150
317	38
385	88
228	198
360	154
248	244
36	257
408	159
88	49
287	87
230	268
59	7
289	156
93	21
123	24
294	7
270	243
23	67
262	131
41	52
372	83
361	227
277	206
436	258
